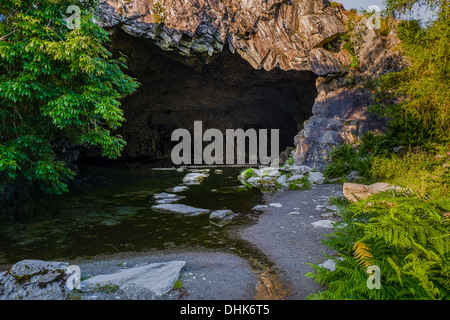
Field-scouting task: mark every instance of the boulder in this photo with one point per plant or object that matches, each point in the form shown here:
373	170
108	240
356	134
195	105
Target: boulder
355	191
35	280
158	278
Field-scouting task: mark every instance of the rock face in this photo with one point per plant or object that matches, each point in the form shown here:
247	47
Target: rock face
341	116
35	280
268	34
247	64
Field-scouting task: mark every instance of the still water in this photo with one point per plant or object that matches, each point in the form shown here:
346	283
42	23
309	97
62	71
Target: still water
108	210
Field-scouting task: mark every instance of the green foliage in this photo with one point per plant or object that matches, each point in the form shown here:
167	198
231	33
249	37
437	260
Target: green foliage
349	46
247	173
406	237
300	184
405	233
417	98
346	158
56	84
290	161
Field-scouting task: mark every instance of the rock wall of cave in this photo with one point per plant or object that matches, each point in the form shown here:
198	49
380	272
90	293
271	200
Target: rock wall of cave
246	64
224	92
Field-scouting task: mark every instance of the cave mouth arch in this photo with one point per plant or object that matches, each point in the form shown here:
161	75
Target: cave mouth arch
223	91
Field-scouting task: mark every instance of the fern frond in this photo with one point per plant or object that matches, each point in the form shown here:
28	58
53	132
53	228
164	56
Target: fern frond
362	254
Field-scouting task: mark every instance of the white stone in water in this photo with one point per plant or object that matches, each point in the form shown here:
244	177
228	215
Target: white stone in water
177	189
221	214
194	177
164	195
259	207
179	208
218	171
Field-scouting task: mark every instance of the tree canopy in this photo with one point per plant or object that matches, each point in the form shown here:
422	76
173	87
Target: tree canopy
56	82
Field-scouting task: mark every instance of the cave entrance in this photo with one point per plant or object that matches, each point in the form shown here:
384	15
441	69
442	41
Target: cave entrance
223	91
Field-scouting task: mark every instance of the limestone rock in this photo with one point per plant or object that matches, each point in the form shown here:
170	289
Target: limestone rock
288	34
158	278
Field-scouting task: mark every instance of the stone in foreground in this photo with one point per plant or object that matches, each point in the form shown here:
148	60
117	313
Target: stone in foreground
35	280
155	277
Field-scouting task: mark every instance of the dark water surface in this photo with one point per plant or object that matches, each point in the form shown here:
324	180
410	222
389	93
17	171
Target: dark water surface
108	210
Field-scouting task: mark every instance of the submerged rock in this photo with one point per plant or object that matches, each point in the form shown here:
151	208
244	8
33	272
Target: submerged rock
221	217
166	197
177	189
180	208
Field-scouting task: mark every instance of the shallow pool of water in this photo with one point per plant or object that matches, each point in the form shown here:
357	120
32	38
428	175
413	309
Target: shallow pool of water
108	210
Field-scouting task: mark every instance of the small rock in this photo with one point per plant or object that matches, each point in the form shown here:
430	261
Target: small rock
296	169
276	205
259	207
221	214
316	177
329	264
218	171
353	176
195	177
164	195
177	189
295	177
281	179
221	217
323	224
333	208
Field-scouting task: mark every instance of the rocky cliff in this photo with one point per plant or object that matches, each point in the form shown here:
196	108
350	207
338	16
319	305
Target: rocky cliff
190	57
